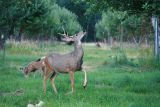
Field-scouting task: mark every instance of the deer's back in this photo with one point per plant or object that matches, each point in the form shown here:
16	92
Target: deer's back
65	63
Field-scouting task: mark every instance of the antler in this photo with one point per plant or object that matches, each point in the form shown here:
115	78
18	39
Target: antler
64	33
81	34
66	38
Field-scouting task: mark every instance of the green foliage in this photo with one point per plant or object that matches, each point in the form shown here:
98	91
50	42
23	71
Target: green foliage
110	24
120	56
55	19
132	25
149	7
147	60
66	19
120	24
37	17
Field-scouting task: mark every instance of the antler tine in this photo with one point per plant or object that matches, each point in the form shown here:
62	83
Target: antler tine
61	34
63	30
64	33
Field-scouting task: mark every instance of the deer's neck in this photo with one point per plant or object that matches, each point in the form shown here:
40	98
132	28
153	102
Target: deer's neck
78	52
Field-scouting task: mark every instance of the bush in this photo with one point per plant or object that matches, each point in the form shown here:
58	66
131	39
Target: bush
120	57
110	24
61	17
47	20
147	60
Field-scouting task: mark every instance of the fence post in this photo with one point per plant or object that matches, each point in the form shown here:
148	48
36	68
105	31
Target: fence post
156	36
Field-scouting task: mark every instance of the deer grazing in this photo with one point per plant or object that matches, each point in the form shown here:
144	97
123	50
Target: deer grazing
56	63
33	66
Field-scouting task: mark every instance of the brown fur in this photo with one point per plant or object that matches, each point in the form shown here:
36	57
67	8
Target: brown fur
33	66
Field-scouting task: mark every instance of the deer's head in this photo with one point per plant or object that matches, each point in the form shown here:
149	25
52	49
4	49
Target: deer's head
26	70
75	38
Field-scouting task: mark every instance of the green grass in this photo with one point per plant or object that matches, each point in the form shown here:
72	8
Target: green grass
109	85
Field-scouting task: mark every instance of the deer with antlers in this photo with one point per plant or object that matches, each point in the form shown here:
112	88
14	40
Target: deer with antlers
67	63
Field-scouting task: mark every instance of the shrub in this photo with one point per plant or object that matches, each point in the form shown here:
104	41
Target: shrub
120	57
146	59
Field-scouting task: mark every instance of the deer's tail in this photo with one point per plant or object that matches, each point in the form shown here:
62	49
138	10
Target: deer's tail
39	59
85	79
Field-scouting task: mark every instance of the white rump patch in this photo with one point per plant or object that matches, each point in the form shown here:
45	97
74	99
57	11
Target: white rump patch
42	57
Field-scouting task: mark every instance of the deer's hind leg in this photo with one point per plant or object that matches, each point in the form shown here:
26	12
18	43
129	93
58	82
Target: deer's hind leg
52	78
71	73
46	75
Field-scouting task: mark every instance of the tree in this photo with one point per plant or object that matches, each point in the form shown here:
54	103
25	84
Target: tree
53	21
149	7
110	25
17	13
36	17
120	25
86	18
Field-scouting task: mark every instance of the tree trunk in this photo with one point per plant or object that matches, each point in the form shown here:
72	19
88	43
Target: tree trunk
147	40
11	32
1	44
135	41
19	34
2	40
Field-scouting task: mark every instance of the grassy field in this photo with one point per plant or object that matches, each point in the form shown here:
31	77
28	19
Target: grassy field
112	82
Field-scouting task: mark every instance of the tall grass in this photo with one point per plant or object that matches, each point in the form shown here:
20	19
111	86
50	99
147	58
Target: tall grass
141	57
35	47
120	56
147	59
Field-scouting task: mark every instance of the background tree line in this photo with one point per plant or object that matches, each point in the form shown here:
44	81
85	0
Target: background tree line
127	20
36	18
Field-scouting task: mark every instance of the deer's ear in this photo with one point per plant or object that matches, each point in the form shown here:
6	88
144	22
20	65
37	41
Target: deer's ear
68	39
81	34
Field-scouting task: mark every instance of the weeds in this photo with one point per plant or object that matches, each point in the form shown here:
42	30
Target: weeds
147	60
120	57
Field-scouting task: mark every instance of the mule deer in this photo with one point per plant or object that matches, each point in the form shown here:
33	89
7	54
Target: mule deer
66	63
33	66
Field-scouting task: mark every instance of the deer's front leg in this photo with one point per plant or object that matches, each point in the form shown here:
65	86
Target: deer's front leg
52	78
72	80
85	78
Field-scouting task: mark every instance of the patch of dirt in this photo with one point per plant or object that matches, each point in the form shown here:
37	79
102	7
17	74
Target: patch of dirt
18	92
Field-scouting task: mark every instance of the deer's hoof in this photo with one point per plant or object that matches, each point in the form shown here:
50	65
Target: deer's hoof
84	87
